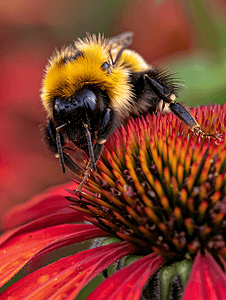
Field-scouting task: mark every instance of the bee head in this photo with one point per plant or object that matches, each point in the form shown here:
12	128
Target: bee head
83	107
92	62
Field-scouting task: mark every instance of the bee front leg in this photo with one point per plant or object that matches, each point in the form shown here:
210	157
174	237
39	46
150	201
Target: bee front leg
55	141
107	126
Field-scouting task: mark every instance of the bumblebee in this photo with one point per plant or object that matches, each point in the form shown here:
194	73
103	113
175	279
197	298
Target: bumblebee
92	86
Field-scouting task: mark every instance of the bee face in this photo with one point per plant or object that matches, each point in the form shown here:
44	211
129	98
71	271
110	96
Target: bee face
72	109
91	87
72	113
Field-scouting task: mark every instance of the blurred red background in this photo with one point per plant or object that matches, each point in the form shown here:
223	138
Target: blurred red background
165	32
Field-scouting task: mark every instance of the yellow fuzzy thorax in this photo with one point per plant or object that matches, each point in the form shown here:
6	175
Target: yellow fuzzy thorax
65	76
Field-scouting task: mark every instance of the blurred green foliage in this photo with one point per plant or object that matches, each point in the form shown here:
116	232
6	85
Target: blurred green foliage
204	80
203	70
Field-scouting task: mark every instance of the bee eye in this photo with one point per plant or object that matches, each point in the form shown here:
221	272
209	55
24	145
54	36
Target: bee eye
105	66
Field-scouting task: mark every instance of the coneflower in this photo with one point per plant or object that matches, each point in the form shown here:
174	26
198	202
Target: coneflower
160	192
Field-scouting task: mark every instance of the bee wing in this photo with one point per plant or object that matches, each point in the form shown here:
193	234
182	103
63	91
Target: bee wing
121	40
119	43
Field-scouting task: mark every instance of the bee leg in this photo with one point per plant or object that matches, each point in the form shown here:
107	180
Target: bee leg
106	128
98	149
59	147
167	103
161	91
54	139
90	148
182	113
86	175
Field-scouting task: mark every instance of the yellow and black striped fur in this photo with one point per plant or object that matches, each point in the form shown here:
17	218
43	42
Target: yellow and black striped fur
95	84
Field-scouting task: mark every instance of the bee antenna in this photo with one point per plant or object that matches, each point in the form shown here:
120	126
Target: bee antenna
111	58
91	153
59	147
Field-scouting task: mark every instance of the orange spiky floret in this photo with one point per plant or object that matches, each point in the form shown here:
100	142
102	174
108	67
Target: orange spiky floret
161	184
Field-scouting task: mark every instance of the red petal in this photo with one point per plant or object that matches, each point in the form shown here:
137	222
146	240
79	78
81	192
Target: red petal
206	281
128	283
44	204
21	249
65	278
48	221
